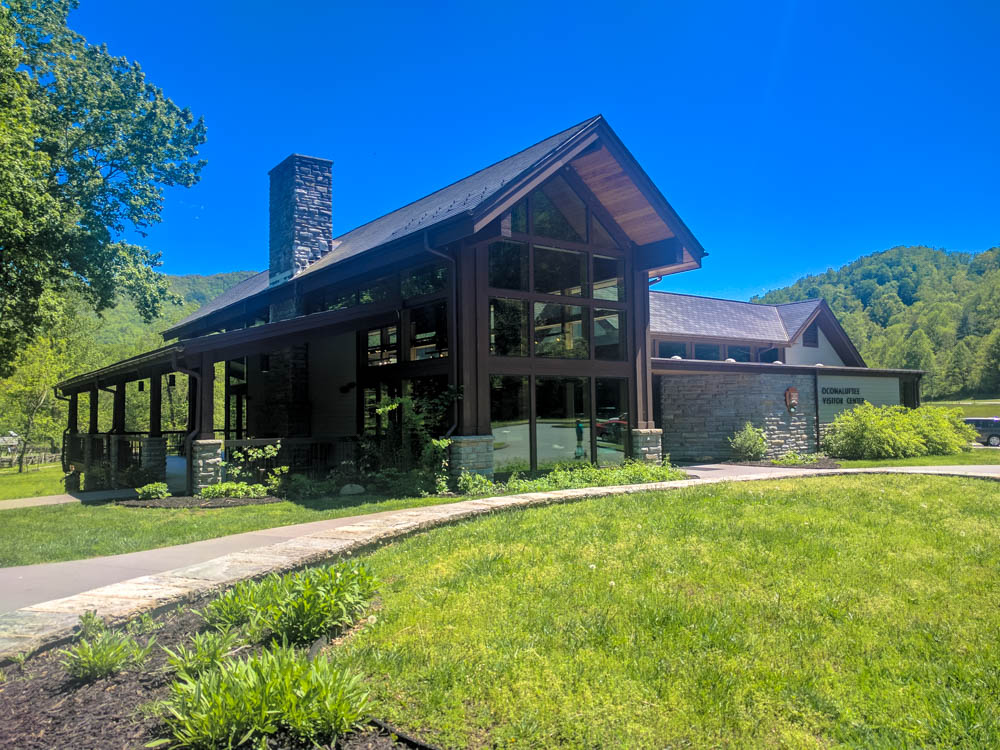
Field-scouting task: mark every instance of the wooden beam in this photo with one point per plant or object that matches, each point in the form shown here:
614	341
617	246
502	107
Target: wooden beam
156	404
118	409
73	421
206	398
92	418
657	255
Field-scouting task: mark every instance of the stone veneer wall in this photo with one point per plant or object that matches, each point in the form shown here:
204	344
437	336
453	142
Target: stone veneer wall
206	463
154	458
301	215
471	453
647	445
701	411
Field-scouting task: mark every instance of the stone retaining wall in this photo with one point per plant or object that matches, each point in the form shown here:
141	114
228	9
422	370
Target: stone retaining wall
471	453
702	411
206	463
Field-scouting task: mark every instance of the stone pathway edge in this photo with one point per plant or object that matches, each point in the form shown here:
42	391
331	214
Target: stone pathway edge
42	626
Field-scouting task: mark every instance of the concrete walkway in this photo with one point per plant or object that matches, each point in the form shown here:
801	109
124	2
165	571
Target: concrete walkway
41	604
98	496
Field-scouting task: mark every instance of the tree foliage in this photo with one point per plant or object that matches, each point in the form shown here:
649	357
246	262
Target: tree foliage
87	146
920	308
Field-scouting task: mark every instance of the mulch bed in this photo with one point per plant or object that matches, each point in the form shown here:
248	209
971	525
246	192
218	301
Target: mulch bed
42	708
823	463
198	502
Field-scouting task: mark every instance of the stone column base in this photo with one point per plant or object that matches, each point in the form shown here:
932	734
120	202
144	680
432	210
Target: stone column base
206	463
154	458
647	445
471	453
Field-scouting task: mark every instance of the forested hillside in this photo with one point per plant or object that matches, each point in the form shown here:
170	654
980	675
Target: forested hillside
77	340
920	308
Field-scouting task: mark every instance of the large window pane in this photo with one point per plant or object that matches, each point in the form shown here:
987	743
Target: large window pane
380	290
383	348
426	393
609	334
519	218
429	332
508	327
611	413
429	279
558	212
509	423
609	278
508	265
668	349
599	235
562	420
560	272
739	353
561	331
707	351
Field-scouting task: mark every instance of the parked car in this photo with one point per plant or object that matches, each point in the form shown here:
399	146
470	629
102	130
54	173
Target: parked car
613	428
988	429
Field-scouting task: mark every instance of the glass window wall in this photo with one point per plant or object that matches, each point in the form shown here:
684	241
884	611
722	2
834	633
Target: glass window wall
429	332
508	266
611	425
508	327
707	351
609	334
609	278
561	331
383	347
558	212
562	420
561	272
668	349
510	423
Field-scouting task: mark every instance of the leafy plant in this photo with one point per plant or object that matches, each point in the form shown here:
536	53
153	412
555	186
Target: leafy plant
257	466
276	693
566	476
873	432
106	654
297	607
206	650
91	625
749	443
153	491
794	458
144	624
234	489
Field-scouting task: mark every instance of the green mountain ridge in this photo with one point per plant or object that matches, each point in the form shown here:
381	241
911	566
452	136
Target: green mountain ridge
917	308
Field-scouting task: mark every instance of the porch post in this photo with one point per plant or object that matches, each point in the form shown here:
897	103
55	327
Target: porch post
73	423
118	409
154	447
156	404
206	451
647	440
92	417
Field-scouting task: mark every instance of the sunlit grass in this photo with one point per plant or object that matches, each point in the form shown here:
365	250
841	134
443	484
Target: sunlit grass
809	613
989	407
33	482
975	457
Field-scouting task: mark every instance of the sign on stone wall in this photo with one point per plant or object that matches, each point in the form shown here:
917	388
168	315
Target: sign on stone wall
838	393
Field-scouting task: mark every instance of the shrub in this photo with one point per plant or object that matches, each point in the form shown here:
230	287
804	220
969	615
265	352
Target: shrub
278	694
153	491
297	607
91	625
104	655
873	432
234	489
206	651
299	487
794	458
749	443
571	475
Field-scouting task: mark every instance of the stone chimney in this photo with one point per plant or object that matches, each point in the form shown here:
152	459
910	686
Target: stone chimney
301	209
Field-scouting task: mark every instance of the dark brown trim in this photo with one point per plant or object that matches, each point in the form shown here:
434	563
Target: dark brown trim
681	366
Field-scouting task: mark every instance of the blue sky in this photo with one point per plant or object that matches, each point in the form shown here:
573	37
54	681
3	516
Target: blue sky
790	136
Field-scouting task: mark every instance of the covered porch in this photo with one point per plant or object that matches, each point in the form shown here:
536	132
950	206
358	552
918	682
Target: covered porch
174	414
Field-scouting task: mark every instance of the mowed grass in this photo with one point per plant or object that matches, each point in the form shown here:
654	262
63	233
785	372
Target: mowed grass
54	533
973	408
808	613
975	457
33	482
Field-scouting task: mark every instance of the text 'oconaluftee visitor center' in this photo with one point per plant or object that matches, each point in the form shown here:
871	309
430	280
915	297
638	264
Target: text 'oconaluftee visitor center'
526	286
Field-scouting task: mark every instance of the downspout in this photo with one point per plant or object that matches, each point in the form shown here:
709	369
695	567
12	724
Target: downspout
453	275
189	439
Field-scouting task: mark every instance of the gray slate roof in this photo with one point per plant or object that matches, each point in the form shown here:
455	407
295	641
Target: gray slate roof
448	202
687	316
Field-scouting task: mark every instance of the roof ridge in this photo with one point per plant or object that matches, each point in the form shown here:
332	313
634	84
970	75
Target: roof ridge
716	299
578	126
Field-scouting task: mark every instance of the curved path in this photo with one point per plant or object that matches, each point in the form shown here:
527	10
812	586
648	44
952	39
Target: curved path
41	604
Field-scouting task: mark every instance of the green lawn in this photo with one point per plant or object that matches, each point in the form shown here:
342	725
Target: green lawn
52	533
977	456
808	613
972	407
34	482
